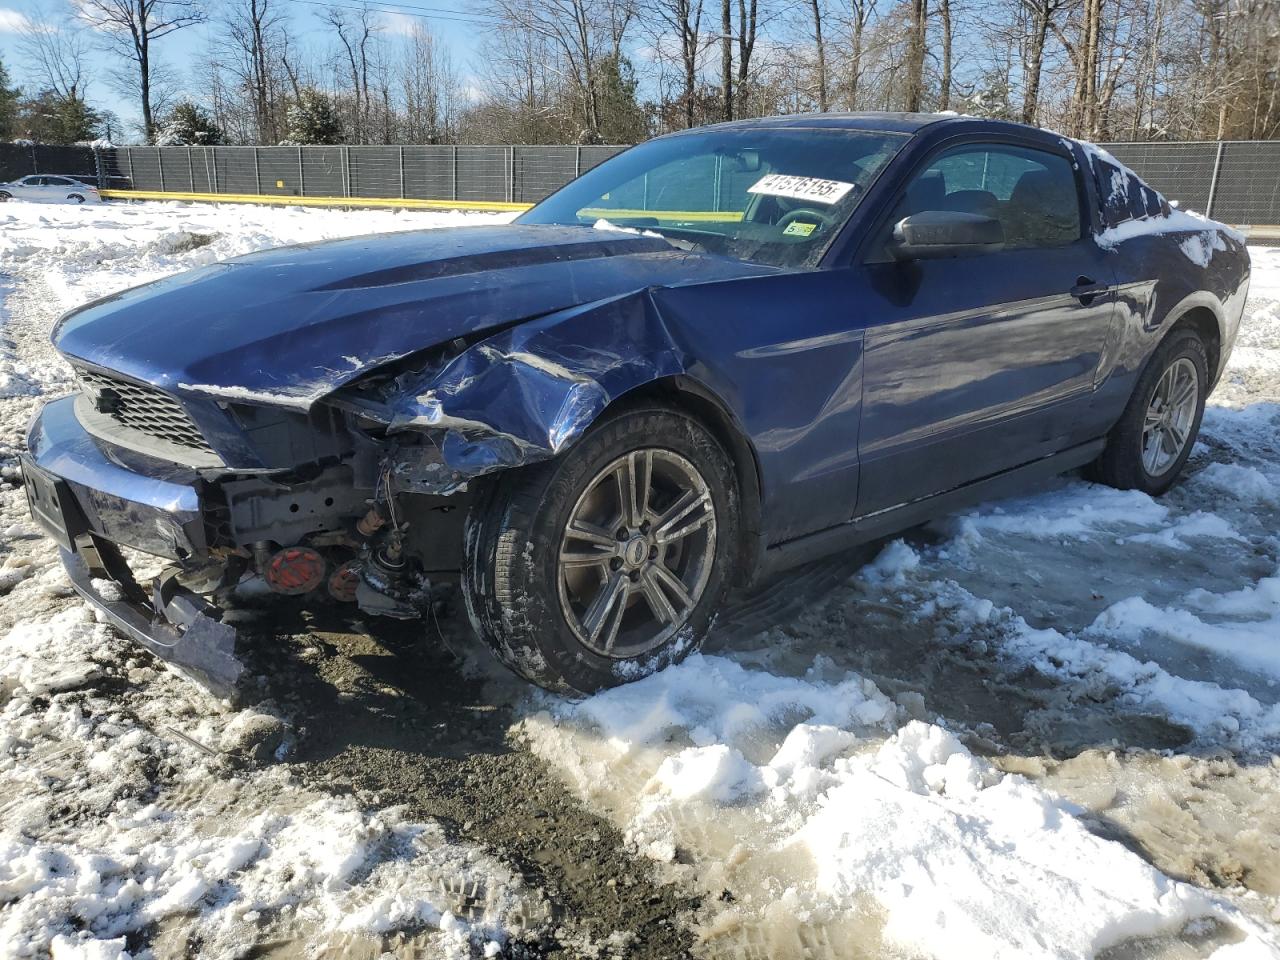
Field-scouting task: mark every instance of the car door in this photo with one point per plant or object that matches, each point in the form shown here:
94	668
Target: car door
978	364
31	188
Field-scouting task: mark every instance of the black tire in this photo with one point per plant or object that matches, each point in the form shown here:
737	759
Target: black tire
5	196
512	579
1122	463
76	197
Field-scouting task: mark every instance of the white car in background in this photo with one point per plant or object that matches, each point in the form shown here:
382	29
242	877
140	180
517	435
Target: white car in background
46	186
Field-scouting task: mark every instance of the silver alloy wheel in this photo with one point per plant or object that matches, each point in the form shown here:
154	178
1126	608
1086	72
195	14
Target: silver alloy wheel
1170	414
636	553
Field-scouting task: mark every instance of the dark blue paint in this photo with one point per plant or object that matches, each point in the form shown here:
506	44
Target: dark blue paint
857	386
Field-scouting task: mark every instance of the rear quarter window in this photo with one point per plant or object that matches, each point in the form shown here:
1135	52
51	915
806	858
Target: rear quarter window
1123	197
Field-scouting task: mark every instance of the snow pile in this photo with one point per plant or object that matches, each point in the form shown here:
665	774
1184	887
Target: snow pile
806	826
130	810
110	826
815	814
87	252
750	783
965	862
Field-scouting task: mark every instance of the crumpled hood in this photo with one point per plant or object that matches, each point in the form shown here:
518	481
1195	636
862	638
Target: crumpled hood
292	324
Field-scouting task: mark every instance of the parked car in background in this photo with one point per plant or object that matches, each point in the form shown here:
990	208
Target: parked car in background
723	352
50	188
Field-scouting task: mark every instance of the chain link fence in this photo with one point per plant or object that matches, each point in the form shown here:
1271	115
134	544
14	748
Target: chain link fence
466	174
1233	181
1236	182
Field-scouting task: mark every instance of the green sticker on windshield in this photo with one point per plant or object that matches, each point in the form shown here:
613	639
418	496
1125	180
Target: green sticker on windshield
797	228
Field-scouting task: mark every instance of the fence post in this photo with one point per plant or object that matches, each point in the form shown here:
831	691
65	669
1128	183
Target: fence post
1213	179
577	161
128	152
454	176
402	173
511	174
160	167
302	177
213	159
191	171
346	171
97	168
257	172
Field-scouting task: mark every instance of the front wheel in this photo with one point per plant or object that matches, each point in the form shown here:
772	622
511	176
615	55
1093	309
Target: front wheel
1149	446
5	196
608	563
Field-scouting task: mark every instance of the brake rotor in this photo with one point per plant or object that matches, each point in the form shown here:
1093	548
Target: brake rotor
294	570
343	583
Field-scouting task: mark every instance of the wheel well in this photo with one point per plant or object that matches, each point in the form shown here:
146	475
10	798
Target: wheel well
690	398
1205	324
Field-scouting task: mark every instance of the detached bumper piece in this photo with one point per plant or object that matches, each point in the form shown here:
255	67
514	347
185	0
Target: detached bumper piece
88	502
176	625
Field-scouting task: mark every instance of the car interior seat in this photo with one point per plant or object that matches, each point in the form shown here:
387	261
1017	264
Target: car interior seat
1038	211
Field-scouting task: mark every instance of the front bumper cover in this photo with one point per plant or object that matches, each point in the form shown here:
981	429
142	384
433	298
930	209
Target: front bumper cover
176	625
89	502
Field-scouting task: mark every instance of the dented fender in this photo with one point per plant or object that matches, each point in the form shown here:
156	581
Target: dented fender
528	392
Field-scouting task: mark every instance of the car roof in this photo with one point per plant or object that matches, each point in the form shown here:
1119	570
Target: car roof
875	121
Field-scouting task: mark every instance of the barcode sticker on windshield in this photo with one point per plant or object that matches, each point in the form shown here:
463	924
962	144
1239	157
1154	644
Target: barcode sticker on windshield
801	188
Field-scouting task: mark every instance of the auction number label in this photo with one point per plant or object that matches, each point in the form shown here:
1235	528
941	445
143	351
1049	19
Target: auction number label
801	188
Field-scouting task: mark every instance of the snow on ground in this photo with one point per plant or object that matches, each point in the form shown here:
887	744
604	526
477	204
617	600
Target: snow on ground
813	812
1046	728
143	808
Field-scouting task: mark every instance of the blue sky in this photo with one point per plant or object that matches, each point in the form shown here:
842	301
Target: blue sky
186	47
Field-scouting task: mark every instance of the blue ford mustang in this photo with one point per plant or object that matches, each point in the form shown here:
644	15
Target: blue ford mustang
721	353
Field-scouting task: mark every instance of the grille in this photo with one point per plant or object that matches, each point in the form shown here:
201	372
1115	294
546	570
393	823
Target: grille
142	409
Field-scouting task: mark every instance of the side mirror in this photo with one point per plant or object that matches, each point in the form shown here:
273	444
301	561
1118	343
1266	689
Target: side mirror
934	234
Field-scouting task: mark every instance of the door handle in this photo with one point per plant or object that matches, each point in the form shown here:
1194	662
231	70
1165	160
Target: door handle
1087	290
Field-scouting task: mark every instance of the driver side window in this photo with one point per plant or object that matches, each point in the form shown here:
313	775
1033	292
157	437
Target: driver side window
1033	194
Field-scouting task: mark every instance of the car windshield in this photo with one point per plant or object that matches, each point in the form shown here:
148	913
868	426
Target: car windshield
774	196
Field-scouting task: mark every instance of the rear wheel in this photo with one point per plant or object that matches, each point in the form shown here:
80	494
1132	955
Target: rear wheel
606	564
5	196
75	198
1151	443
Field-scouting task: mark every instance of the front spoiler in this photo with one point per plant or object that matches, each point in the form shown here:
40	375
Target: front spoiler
176	625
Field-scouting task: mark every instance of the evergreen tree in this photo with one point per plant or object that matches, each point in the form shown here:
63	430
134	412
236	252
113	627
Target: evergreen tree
8	106
188	125
313	119
622	119
49	118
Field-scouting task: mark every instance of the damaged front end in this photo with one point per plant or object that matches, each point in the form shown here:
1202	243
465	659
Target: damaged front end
336	522
361	496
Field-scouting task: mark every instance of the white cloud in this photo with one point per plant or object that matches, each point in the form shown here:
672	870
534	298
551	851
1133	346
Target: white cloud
11	21
399	23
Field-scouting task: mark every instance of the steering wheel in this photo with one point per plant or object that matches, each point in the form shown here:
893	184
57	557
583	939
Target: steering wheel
798	213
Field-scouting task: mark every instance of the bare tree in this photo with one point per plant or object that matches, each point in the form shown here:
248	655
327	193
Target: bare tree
747	27
56	50
256	39
820	64
355	30
683	19
917	34
430	89
132	27
1043	16
859	17
944	91
726	57
585	33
